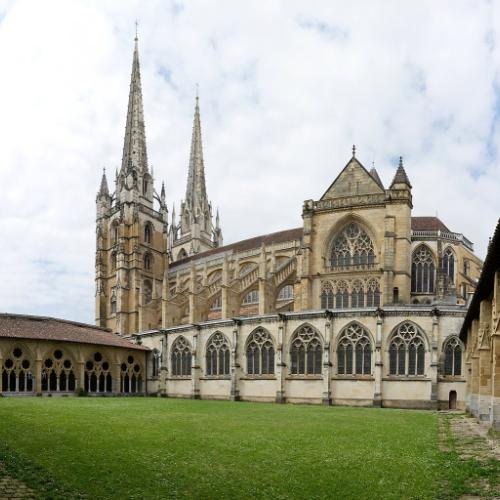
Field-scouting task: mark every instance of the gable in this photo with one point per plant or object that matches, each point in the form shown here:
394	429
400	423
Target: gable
352	181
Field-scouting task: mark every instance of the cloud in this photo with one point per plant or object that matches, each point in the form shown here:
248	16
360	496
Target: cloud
286	88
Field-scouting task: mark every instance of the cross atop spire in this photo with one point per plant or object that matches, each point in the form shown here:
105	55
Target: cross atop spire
136	29
134	144
353	150
104	191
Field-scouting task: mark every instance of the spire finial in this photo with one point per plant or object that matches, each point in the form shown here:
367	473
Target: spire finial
136	29
353	150
400	161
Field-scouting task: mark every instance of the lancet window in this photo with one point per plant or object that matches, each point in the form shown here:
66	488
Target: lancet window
130	376
327	296
17	374
342	295
260	353
407	351
97	374
352	247
306	352
354	351
449	264
148	261
58	373
372	293
218	355
181	357
148	232
453	357
357	294
422	271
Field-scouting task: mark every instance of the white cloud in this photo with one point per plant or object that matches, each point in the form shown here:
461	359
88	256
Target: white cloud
286	89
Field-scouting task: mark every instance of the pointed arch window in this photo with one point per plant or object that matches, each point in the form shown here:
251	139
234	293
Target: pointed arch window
16	371
407	351
113	303
422	271
357	294
352	247
260	353
181	357
453	357
218	355
449	264
97	375
148	232
148	291
341	295
373	293
306	352
354	351
115	232
148	261
131	376
327	296
285	293
216	304
113	261
251	298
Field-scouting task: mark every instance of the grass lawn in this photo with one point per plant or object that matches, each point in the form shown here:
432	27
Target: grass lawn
167	448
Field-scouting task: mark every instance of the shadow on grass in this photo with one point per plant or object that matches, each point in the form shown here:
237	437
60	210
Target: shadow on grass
34	476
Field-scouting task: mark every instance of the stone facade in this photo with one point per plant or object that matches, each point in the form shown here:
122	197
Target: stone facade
359	259
481	334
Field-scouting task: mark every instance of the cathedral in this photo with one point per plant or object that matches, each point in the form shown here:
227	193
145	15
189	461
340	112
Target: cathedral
362	305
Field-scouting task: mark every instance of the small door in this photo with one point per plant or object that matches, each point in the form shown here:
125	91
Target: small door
452	401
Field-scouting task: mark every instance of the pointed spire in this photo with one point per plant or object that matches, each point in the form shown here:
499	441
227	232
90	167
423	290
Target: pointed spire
162	195
134	144
401	177
104	191
196	191
375	176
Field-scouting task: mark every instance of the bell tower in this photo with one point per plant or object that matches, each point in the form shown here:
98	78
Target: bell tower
132	228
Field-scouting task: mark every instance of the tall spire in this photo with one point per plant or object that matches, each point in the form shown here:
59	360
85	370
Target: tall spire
104	191
401	177
196	191
134	144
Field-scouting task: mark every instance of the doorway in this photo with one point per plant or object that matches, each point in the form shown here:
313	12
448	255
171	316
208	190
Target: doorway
452	401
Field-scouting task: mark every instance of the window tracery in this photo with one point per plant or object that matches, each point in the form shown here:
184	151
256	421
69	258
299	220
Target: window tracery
449	264
97	374
407	351
130	376
251	298
17	374
216	304
285	293
260	353
57	373
306	352
326	296
354	351
342	295
181	357
357	294
453	357
352	247
218	355
422	271
373	293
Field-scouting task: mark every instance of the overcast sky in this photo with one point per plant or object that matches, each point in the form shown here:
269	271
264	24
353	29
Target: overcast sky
286	88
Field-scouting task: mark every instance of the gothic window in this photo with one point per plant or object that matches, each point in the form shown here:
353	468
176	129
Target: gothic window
181	357
218	355
113	303
352	247
182	254
130	376
251	298
357	294
341	295
260	353
449	264
115	230
247	268
306	352
422	271
216	305
148	291
145	185
285	293
97	374
148	231
453	357
372	293
148	260
327	296
354	351
466	267
57	373
113	261
17	375
407	351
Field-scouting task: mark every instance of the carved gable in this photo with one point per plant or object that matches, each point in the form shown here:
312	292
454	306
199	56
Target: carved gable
353	180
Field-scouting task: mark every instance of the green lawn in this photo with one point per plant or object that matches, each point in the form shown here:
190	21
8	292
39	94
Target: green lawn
163	448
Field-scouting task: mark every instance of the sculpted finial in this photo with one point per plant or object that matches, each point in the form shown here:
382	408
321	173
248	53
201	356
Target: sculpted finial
136	29
353	150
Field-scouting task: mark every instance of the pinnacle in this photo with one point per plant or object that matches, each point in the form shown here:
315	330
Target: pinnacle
104	191
375	176
401	177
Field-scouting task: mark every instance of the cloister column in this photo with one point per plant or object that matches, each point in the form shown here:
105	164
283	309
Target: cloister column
327	364
38	376
378	368
280	365
434	360
115	378
474	378
196	367
81	376
235	366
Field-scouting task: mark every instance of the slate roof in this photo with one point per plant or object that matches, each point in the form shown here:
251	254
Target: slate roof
22	326
249	244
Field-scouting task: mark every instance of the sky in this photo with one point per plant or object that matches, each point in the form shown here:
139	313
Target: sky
286	88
